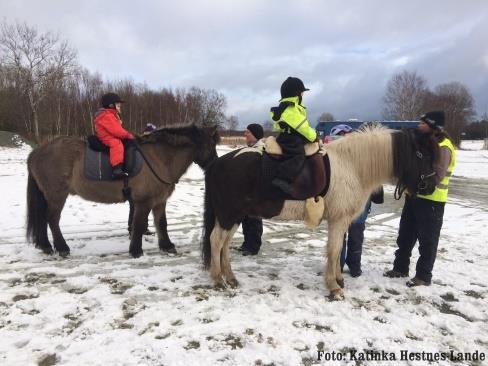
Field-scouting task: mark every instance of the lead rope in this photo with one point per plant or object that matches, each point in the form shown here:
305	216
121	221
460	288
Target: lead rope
150	166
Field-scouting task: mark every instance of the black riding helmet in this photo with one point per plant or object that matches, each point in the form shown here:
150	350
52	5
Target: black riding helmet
110	99
292	87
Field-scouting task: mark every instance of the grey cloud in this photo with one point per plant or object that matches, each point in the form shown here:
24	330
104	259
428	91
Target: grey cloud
245	49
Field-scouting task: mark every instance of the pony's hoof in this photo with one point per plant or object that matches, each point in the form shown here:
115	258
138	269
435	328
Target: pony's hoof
63	253
337	294
233	283
137	254
341	282
220	286
171	250
46	250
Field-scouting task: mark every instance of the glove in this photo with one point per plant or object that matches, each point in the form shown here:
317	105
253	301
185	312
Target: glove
130	136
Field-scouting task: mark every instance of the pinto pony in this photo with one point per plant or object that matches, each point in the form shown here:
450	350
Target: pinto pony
359	164
56	170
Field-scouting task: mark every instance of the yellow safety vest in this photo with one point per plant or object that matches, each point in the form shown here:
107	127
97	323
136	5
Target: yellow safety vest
440	193
296	117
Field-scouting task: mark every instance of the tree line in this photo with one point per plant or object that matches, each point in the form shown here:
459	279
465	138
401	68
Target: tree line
44	91
408	96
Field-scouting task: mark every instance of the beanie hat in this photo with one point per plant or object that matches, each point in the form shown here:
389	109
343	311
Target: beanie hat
149	128
336	130
256	130
434	119
292	87
110	98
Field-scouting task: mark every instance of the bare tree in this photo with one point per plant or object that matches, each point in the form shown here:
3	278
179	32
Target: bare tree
457	102
39	60
326	117
232	122
404	96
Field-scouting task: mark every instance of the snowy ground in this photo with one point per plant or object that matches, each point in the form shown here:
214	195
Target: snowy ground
101	307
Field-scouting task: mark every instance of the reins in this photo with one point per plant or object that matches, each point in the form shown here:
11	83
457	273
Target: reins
138	148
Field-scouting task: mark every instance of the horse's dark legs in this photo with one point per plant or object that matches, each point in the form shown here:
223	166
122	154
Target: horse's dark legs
53	217
141	210
42	240
164	242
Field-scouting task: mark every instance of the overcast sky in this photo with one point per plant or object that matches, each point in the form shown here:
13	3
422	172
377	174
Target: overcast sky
344	51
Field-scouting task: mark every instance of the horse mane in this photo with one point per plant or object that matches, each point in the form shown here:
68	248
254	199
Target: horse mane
370	151
178	135
406	144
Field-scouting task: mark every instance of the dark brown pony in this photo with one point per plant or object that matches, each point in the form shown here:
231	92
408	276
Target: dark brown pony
359	163
56	170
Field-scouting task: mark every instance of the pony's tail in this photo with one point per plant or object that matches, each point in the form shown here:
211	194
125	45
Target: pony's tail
36	211
208	223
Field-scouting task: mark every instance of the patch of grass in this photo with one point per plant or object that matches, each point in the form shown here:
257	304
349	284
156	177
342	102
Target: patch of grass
233	341
317	327
162	336
116	287
48	360
273	290
413	337
392	291
380	319
472	293
76	290
38	278
445	308
192	345
449	297
21	297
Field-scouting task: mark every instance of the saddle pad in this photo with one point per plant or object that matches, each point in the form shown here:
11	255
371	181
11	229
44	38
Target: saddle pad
97	164
272	147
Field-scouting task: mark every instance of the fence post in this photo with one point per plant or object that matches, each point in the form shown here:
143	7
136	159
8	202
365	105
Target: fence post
485	145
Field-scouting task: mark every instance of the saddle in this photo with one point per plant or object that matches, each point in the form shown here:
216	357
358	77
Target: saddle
97	162
313	180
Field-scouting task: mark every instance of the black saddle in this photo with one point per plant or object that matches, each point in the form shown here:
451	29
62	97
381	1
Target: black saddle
97	161
313	179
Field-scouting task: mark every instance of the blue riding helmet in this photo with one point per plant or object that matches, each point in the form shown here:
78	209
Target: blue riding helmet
336	130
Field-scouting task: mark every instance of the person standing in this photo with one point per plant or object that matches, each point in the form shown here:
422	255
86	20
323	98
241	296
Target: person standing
422	215
252	227
352	247
290	119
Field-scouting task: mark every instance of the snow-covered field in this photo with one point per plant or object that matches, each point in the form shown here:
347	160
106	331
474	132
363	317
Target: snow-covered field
101	307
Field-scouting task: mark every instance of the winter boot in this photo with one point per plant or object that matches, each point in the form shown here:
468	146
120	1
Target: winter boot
393	273
118	172
414	282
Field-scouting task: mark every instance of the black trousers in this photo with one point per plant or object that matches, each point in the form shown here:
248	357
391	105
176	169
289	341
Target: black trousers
252	227
421	220
293	147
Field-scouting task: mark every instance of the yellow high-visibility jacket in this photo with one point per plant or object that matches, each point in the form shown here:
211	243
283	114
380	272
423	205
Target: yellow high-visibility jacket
295	116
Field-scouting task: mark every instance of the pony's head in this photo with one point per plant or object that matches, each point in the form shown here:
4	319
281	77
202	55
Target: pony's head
202	139
414	155
206	152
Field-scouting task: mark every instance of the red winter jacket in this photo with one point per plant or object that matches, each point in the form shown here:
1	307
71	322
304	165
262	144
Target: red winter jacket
108	125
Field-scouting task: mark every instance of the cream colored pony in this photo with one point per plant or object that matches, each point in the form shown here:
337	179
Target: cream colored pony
359	163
